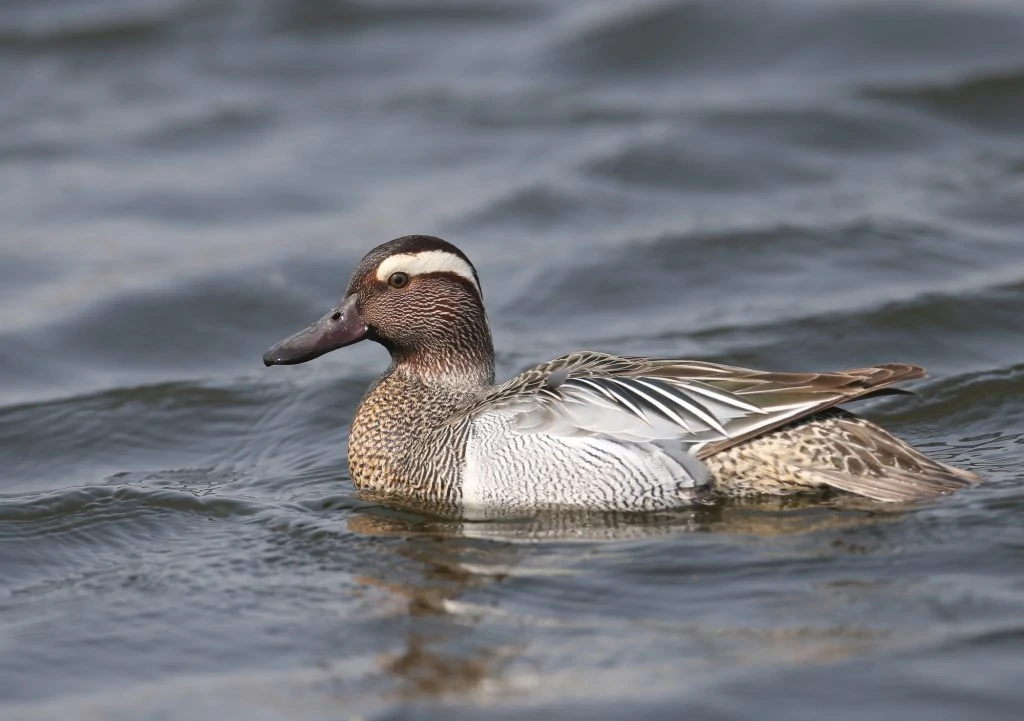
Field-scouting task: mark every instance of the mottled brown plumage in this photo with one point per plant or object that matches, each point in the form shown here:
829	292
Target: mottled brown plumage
402	443
832	449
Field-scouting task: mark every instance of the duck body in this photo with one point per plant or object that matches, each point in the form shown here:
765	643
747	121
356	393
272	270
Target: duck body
588	430
465	448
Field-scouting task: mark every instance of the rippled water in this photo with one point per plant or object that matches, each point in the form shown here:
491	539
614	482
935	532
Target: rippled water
789	185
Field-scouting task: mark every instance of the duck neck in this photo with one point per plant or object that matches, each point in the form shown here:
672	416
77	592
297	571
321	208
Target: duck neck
462	359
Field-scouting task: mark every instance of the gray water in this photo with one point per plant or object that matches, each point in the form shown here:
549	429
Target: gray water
790	185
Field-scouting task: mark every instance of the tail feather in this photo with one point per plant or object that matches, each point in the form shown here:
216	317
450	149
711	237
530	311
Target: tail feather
895	485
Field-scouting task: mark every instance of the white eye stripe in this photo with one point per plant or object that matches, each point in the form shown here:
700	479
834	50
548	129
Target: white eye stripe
429	261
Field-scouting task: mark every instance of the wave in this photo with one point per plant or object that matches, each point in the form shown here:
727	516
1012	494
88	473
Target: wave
992	100
687	38
102	25
319	16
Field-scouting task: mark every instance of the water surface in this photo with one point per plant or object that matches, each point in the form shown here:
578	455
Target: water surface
790	185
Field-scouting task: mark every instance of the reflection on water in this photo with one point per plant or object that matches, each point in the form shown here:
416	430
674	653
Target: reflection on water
459	559
755	516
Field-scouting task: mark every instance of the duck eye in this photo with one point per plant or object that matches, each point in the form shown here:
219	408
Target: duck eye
398	280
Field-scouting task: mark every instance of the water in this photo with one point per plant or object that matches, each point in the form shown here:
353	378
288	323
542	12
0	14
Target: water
790	185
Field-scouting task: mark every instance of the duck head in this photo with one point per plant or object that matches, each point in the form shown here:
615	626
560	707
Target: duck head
419	297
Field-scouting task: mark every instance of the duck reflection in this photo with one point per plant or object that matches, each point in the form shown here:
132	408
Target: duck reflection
452	650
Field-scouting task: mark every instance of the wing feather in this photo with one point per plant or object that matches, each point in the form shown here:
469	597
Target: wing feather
722	397
689	403
623	398
706	407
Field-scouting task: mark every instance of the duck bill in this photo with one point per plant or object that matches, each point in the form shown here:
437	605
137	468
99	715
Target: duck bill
341	327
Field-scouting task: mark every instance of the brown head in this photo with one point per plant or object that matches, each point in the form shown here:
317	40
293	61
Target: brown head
419	297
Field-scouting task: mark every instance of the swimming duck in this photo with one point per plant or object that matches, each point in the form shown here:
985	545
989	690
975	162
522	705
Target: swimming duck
588	430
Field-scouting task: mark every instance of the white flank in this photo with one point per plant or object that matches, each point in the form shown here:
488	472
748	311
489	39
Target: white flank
474	476
429	261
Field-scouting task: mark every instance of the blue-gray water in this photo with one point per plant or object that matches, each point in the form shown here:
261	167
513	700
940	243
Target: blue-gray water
793	185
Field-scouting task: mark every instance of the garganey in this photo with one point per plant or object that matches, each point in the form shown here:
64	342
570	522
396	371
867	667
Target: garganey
588	430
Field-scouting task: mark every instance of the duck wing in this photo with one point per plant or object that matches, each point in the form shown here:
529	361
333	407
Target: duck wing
707	407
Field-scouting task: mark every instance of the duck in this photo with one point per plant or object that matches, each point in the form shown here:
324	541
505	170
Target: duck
588	431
